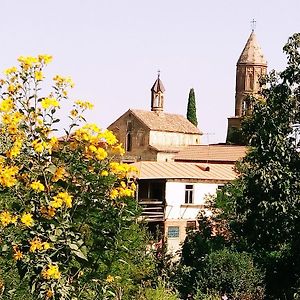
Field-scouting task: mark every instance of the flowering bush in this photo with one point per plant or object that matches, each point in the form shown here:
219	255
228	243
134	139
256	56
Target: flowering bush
64	203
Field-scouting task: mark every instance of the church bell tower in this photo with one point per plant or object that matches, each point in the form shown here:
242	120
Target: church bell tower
157	95
250	66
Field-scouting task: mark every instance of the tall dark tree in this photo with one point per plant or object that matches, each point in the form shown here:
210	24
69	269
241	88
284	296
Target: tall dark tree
268	206
191	113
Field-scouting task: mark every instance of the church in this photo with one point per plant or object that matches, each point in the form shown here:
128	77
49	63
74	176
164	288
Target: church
177	173
155	135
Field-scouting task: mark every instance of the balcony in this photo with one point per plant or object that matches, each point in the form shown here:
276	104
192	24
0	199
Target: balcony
152	210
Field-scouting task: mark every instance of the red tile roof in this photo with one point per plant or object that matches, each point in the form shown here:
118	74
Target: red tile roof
211	153
165	122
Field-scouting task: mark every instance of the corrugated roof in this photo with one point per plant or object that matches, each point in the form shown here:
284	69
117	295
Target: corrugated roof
165	122
211	153
178	170
252	53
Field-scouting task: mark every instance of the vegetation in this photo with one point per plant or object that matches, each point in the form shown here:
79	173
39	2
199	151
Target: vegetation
191	114
258	213
67	215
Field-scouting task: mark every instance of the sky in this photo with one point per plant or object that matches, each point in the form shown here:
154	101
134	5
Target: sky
113	50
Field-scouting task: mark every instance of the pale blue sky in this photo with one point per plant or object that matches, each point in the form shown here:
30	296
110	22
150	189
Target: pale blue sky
113	49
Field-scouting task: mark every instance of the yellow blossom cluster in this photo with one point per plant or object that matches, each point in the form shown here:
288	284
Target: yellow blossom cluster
27	219
37	244
39	146
123	191
12	118
10	71
48	212
49	103
37	186
7	218
121	170
15	150
8	175
60	199
62	82
84	104
51	272
108	137
59	174
45	58
6	105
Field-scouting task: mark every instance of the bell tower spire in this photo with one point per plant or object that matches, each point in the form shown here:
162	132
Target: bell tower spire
250	66
157	95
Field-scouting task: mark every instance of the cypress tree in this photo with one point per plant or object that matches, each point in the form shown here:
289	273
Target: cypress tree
191	113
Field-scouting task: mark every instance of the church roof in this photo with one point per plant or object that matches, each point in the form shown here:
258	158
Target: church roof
211	153
252	53
158	86
177	170
165	122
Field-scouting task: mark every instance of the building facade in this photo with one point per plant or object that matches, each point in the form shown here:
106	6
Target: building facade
154	135
250	67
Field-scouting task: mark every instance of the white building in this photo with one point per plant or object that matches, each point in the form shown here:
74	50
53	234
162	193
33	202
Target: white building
173	193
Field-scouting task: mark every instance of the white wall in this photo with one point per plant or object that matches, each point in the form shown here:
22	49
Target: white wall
175	199
160	138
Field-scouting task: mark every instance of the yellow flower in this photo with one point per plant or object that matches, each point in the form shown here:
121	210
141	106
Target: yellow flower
35	244
118	150
46	245
6	105
45	58
110	279
18	255
7	176
49	102
114	194
28	61
63	81
59	174
5	218
62	197
48	213
11	70
101	154
74	113
51	272
108	137
84	104
104	173
37	186
49	294
38	146
38	75
27	220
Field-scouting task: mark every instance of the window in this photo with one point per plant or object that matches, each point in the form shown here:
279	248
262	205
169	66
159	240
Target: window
189	194
190	225
173	231
128	142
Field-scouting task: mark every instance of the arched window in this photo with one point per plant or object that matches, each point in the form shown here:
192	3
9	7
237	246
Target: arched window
128	142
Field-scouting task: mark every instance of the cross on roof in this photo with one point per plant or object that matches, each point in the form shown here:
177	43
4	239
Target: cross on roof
253	24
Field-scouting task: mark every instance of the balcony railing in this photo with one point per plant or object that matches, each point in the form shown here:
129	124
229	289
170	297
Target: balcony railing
153	210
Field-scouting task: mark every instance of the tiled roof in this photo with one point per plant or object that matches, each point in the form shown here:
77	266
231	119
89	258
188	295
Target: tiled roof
158	86
177	170
252	53
211	153
165	122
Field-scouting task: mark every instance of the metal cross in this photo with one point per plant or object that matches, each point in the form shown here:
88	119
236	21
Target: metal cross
158	73
253	24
